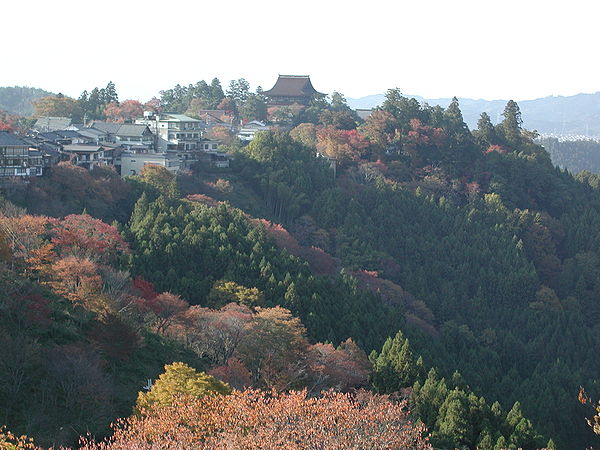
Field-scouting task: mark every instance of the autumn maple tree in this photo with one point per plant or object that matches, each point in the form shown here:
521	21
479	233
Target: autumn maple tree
343	145
125	111
84	236
254	419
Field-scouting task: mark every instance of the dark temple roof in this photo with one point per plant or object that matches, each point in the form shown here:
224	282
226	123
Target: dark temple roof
292	86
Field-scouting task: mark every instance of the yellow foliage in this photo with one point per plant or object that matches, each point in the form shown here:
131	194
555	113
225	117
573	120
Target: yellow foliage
179	379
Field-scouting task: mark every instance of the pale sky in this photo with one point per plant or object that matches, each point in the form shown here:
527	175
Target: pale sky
519	49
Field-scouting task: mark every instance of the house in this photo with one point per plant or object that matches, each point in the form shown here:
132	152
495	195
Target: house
94	135
290	89
16	159
110	129
51	152
248	131
51	123
86	155
174	131
131	136
132	163
213	117
136	137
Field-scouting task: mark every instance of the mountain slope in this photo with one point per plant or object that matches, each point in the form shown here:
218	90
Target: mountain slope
19	99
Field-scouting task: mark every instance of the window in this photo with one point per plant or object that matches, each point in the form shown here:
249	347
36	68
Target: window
214	146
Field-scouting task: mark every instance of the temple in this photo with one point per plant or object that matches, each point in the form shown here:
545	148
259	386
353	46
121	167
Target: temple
290	89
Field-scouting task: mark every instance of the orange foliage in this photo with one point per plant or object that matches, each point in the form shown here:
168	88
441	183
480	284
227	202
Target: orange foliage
76	279
495	149
258	420
204	199
164	310
84	236
342	145
10	441
275	349
342	369
24	233
125	111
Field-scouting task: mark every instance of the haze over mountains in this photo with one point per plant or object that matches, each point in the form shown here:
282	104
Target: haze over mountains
573	115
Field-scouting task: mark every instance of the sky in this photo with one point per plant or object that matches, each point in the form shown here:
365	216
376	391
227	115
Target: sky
490	49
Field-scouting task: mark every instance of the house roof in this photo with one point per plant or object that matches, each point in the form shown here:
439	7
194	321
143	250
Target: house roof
255	124
91	133
177	118
12	140
132	129
50	136
82	148
52	123
67	133
211	115
150	156
106	127
292	86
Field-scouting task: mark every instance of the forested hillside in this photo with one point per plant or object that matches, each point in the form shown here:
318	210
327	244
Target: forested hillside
19	100
453	274
576	156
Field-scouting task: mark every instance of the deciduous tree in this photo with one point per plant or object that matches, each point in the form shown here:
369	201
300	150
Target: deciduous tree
178	379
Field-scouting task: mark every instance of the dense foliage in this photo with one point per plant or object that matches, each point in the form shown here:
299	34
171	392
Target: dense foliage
69	189
472	243
186	247
574	155
257	419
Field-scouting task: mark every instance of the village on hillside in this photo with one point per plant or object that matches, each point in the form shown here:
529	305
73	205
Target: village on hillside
173	140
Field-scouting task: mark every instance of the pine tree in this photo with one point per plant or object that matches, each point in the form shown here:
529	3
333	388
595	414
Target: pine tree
486	133
510	127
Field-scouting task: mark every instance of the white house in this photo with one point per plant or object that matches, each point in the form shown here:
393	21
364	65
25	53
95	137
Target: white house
248	131
133	163
87	156
174	131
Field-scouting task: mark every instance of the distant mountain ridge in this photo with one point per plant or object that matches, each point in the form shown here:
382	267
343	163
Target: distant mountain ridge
19	99
573	115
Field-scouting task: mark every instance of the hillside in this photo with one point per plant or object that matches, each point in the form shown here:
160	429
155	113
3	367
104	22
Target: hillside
574	155
463	263
572	115
19	99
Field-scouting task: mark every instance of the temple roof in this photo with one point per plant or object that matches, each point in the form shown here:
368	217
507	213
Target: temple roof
292	86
